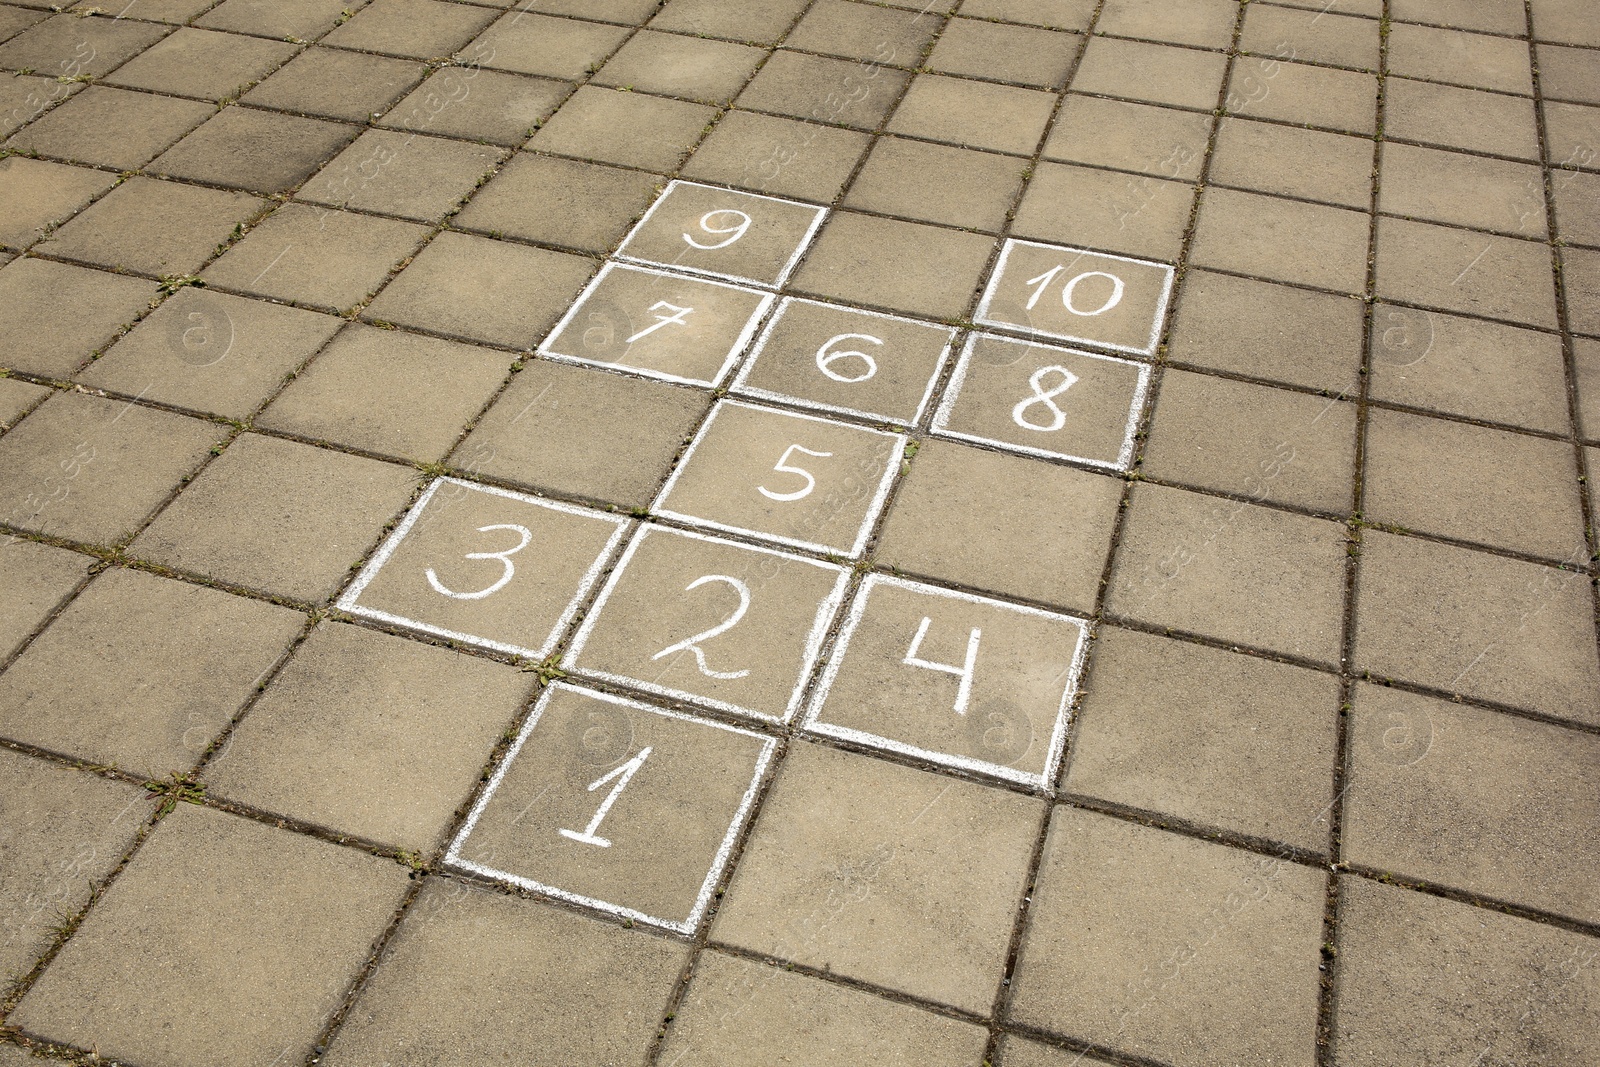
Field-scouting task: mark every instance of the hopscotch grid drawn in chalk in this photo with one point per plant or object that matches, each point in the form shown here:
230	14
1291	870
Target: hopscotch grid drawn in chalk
1042	780
820	214
952	394
982	317
814	638
686	926
741	387
349	600
874	506
763	305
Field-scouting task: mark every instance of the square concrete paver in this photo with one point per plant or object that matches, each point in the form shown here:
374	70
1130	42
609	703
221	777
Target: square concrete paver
262	151
1586	357
55	316
421	29
1153	73
1272	158
1018	54
477	104
1320	36
711	72
1477	800
211	352
1581	275
337	84
536	43
64	830
202	63
737	236
915	891
760	21
691	617
1159	141
36	579
17	399
1206	24
1567	74
581	432
935	183
1134	214
1456	270
1440	186
560	201
66	46
629	129
112	127
1020	1052
484	958
1465	622
421	178
1298	93
737	1009
214	978
1424	976
1464	119
1207	736
776	155
814	87
1483	16
278	517
132	673
371	735
1285	240
93	470
1077	295
858	31
154	227
1577	213
307	20
1233	571
1054	14
1572	132
23	97
37	196
1474	59
974	114
904	266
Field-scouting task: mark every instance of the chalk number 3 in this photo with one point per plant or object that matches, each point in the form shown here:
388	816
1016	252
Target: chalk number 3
505	561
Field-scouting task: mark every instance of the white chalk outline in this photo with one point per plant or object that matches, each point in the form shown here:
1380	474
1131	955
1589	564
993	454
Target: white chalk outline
952	394
685	926
783	272
1058	737
874	506
814	640
982	314
739	345
739	384
347	601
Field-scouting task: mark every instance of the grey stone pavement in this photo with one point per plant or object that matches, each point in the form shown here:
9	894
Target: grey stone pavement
695	532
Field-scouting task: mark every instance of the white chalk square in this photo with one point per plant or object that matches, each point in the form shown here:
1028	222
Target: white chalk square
487	567
724	233
1041	400
1073	294
963	681
615	805
658	324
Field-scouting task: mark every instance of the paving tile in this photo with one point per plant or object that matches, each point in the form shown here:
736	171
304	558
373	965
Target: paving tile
37	196
278	516
760	21
1169	947
702	229
1132	214
1296	449
261	151
711	72
1425	976
389	392
1563	20
1054	14
975	114
272	930
17	398
737	1009
131	673
1341	100
207	351
371	735
1568	74
631	129
1308	244
1020	1052
337	84
421	178
1473	483
901	265
421	29
843	28
172	11
13	20
483	290
1573	133
1206	24
934	183
627	12
1369	8
154	227
1465	119
112	128
202	63
1312	37
584	433
1210	737
1110	301
1496	629
1232	571
1487	16
1581	272
827	90
36	579
560	201
1049	546
1257	328
1159	141
66	46
1586	356
479	105
1156	74
777	155
530	43
1496	277
266	18
1290	161
91	469
23	96
1471	59
1477	800
1577	197
55	316
483	958
314	256
1482	370
1017	54
64	830
1486	194
916	899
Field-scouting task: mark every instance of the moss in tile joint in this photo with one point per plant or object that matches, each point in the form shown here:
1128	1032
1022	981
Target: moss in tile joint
177	787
